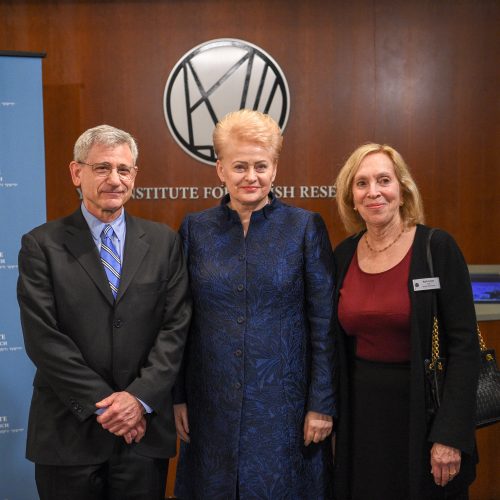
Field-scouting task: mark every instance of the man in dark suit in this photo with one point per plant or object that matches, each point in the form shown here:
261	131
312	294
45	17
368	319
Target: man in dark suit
105	312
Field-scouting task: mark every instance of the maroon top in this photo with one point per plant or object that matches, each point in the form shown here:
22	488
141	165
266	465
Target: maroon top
375	308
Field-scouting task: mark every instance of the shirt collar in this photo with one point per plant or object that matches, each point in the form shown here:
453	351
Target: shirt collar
96	226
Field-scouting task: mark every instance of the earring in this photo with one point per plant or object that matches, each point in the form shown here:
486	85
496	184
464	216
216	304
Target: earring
223	185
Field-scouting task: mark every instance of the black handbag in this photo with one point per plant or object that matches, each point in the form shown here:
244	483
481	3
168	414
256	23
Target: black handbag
488	390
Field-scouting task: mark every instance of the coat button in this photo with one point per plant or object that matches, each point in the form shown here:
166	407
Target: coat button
240	320
117	323
241	257
237	385
238	353
240	287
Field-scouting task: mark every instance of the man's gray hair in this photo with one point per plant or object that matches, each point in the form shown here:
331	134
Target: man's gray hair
105	135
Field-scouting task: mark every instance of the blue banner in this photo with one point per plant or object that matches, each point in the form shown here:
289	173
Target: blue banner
22	207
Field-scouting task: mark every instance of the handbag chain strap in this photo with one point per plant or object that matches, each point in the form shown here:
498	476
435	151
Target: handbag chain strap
435	345
435	326
482	345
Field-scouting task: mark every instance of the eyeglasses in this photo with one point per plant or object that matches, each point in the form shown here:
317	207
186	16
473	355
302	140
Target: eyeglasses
103	170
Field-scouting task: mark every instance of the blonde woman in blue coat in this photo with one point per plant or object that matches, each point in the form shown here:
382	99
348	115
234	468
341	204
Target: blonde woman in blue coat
256	402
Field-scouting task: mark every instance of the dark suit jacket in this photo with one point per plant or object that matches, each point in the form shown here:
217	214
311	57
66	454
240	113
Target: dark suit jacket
454	422
86	346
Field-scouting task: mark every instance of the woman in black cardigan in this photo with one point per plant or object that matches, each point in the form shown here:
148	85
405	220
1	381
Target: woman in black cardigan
388	447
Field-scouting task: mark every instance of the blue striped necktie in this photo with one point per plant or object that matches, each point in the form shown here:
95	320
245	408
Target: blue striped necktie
110	259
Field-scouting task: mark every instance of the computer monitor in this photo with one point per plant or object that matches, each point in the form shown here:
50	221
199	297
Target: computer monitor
485	281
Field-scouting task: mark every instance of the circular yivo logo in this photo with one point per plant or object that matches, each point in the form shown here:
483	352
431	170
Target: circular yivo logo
215	78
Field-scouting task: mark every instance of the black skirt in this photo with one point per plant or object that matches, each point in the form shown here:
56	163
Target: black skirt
380	430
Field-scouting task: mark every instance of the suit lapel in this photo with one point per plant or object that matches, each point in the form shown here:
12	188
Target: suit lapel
80	244
133	254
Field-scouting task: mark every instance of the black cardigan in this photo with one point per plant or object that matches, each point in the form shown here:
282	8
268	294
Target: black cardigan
453	425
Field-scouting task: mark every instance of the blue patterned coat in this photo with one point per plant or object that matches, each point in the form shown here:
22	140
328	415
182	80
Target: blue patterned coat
259	355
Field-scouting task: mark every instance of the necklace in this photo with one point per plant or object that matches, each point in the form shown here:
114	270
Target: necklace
385	248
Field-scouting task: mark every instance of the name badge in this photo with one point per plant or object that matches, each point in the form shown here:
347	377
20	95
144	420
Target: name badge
426	284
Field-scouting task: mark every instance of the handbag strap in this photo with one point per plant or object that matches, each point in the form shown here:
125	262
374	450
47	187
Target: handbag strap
482	343
435	327
429	254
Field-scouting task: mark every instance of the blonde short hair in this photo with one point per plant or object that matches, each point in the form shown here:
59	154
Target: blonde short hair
248	126
412	209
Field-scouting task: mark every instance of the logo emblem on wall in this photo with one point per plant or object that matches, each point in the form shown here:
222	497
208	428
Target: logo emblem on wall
215	78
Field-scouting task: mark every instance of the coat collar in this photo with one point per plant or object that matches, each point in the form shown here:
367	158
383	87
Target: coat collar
79	242
136	248
266	211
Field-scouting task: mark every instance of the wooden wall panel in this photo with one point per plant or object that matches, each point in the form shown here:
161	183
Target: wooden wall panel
421	75
417	74
63	124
